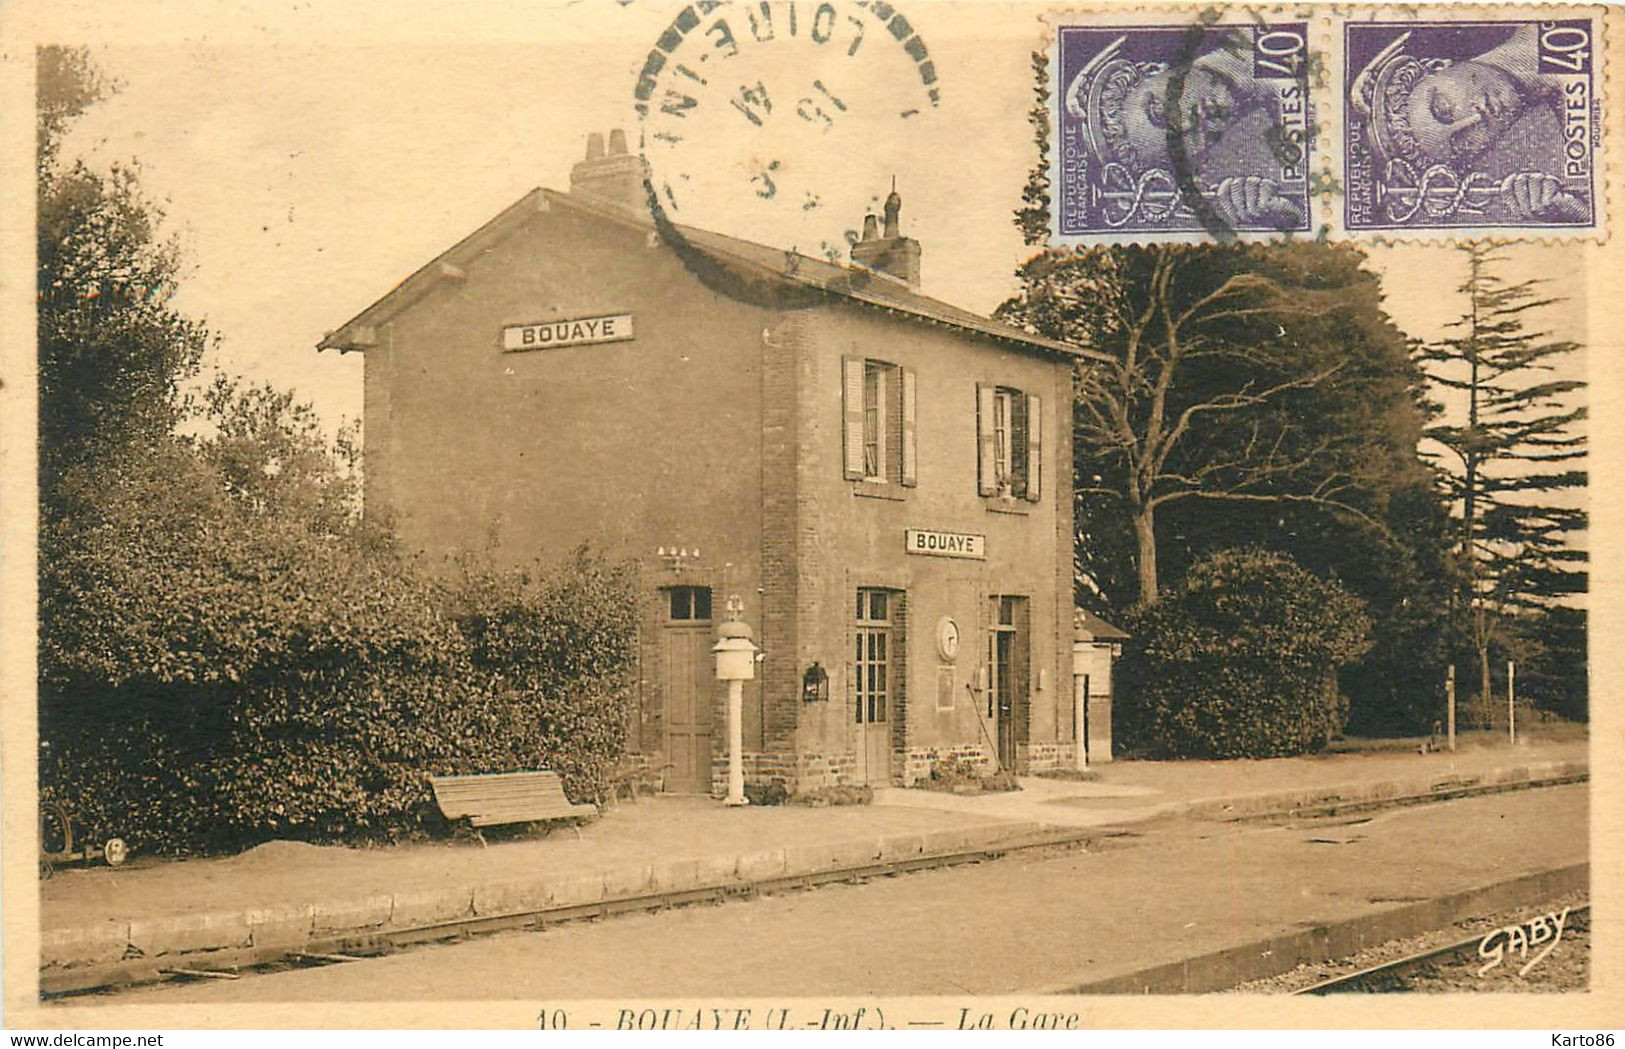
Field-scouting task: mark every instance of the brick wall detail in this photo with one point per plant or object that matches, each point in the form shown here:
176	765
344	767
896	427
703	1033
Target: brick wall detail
1033	758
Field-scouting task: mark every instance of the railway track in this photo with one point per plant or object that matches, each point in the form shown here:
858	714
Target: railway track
232	964
1446	961
339	948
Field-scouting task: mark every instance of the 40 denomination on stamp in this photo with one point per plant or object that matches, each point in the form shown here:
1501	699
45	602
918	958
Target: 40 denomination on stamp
1457	124
1188	130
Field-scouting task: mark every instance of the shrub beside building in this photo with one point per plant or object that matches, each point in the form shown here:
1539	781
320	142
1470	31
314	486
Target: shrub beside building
1239	661
214	674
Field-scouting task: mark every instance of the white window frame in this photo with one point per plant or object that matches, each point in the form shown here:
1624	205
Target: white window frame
876	421
875	664
1004	450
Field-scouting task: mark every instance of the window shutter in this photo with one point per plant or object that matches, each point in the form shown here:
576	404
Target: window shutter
987	481
910	460
1035	435
884	438
1018	445
852	417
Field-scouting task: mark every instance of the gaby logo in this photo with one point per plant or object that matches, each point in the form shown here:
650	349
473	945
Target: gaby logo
579	331
1544	931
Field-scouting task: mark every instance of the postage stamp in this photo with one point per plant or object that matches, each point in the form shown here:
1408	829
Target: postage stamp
1471	124
1183	130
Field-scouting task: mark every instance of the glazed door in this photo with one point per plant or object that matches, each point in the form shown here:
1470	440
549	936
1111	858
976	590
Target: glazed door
874	666
690	690
1008	658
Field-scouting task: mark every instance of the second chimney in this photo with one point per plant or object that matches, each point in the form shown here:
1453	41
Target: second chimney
611	176
889	252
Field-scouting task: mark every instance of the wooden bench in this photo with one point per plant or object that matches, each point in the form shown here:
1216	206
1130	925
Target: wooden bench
498	798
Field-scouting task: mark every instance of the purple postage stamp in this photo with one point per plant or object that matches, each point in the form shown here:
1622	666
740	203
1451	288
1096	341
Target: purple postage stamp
1179	132
1486	124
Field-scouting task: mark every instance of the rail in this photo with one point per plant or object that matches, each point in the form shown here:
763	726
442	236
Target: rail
1385	976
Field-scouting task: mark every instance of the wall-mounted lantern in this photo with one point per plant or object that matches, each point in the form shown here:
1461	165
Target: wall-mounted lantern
815	684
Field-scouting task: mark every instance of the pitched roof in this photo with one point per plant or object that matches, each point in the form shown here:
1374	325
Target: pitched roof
739	267
1090	627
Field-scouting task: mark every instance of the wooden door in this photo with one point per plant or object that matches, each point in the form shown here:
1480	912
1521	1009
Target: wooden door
690	691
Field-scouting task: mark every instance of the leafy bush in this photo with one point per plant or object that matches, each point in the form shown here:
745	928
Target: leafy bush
1551	649
215	672
774	793
956	775
1240	660
829	797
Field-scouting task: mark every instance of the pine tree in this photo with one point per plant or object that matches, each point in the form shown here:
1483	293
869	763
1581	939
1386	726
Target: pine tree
1512	448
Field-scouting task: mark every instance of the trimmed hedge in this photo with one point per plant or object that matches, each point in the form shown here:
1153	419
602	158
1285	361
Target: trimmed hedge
212	677
1239	661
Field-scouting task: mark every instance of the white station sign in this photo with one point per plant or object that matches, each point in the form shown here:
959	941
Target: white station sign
578	331
945	544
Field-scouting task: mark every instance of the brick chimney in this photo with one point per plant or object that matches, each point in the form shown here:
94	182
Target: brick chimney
888	251
611	176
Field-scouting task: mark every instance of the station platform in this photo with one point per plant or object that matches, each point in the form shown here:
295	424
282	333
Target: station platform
291	893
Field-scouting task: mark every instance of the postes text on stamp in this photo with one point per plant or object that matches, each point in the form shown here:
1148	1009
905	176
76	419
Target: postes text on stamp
1180	131
1471	124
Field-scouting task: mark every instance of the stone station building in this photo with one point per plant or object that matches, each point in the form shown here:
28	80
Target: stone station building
883	480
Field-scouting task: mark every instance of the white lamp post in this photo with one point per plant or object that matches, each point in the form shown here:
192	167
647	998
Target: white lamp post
736	664
1512	716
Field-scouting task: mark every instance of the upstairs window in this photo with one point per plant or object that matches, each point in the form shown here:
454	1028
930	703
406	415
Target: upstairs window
1009	431
875	422
878	422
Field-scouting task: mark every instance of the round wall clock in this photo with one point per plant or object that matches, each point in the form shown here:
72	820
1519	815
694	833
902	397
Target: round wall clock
947	638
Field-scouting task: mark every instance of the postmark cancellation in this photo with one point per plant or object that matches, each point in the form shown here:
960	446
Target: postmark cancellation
1181	131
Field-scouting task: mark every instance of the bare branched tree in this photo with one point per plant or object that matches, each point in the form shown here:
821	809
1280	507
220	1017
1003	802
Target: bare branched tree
1206	350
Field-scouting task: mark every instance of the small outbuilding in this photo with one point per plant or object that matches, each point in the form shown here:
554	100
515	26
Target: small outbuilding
1096	644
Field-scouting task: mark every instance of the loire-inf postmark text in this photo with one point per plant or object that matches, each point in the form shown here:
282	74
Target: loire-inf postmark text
1452	124
1183	130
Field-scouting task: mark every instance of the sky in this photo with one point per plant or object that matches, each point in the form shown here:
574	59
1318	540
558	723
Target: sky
309	162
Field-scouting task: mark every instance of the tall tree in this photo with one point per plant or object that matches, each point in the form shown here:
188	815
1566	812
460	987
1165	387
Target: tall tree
1240	375
273	456
1343	491
112	348
1257	389
1510	447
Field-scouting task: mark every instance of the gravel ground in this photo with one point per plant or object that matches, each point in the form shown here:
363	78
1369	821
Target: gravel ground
1566	968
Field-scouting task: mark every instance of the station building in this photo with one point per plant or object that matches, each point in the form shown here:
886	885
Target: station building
881	480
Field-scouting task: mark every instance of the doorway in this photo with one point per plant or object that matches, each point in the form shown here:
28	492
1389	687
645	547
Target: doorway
1009	647
689	686
875	669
